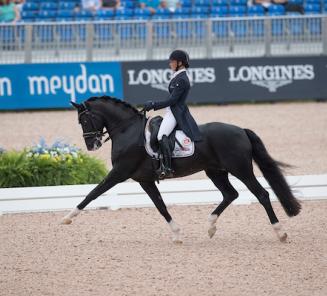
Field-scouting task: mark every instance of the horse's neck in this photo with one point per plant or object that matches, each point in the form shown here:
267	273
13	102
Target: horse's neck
117	116
114	113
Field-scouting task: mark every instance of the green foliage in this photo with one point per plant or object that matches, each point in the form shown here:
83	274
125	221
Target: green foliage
45	166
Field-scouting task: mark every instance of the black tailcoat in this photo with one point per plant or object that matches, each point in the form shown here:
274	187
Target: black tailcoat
178	89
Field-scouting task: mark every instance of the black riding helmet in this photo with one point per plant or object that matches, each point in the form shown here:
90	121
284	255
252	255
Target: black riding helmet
180	56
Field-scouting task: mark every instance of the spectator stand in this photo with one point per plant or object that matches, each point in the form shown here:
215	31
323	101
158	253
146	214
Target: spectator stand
63	24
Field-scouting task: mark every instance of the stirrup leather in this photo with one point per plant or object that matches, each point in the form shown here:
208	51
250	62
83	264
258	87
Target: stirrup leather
161	171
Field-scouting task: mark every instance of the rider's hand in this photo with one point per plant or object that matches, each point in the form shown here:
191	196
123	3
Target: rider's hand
149	105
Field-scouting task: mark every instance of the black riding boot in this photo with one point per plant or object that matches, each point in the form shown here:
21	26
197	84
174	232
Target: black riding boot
165	153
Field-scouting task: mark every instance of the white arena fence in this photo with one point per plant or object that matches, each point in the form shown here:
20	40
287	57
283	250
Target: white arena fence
130	194
152	39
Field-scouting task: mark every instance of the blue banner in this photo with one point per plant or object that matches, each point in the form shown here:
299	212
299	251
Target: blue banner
38	86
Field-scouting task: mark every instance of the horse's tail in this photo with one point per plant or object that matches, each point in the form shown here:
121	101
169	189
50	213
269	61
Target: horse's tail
273	174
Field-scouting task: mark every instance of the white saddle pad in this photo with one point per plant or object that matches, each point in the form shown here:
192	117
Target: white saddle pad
186	150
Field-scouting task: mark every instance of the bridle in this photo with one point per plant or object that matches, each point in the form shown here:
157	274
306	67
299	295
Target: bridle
95	133
99	134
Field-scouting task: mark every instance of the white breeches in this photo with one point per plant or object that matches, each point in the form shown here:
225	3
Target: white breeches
167	125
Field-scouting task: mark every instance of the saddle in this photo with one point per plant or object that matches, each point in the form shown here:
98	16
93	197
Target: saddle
180	144
154	126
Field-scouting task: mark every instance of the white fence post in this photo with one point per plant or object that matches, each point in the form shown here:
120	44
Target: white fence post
89	41
149	40
28	43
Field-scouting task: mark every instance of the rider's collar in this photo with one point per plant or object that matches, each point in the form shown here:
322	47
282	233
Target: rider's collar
178	72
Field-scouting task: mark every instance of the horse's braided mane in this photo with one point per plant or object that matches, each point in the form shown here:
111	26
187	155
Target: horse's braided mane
115	100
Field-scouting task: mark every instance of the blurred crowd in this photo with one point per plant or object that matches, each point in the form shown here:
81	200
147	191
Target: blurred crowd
10	10
152	5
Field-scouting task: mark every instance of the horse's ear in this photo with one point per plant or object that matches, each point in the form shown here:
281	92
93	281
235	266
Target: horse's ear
75	104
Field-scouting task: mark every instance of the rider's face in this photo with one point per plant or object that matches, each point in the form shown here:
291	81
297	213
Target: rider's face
173	65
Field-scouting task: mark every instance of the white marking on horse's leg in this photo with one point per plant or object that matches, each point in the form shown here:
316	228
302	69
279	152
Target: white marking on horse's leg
212	219
68	218
176	232
281	236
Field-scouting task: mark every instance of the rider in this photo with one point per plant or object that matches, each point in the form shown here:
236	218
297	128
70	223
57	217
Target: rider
177	112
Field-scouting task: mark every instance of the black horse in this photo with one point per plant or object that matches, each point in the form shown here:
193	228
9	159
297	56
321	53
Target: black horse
224	149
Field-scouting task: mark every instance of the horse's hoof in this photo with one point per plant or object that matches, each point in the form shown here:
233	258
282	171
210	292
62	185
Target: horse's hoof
283	238
211	231
177	242
66	221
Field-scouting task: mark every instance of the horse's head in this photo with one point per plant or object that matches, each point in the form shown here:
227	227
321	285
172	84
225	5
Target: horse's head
92	126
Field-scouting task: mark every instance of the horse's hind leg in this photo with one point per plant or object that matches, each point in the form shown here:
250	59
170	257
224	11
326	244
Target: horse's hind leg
263	196
151	189
220	179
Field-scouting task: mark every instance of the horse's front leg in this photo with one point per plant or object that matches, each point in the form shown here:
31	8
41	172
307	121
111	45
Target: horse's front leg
113	178
151	189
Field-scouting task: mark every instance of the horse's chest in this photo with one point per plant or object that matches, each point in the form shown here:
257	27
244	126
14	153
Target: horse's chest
124	144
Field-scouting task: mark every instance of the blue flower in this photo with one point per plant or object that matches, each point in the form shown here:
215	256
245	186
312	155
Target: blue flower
58	148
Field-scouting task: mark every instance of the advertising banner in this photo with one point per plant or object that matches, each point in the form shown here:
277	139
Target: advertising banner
37	86
232	80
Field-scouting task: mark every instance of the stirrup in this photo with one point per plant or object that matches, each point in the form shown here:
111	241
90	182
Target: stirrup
161	175
164	172
161	172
